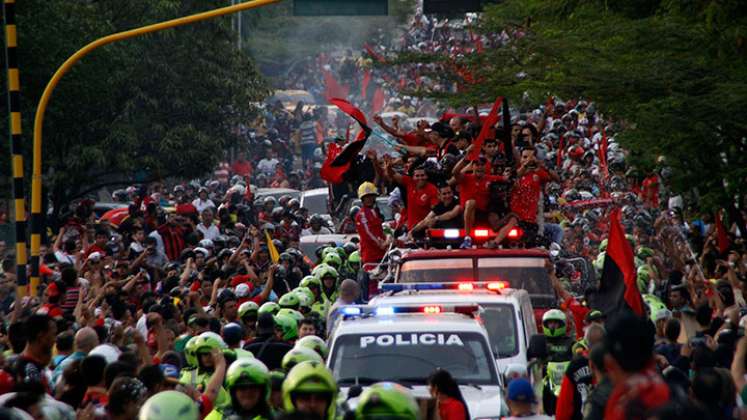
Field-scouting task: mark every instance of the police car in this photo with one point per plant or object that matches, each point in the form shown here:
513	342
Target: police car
406	344
506	313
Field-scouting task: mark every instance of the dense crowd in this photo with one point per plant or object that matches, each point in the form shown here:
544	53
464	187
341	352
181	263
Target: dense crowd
196	300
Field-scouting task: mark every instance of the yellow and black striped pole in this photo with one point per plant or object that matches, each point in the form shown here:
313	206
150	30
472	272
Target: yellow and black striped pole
14	105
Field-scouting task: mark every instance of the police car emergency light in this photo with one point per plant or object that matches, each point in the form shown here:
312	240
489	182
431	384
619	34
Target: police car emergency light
355	311
493	286
478	235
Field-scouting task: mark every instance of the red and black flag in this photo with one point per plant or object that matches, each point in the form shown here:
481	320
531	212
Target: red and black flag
338	162
618	291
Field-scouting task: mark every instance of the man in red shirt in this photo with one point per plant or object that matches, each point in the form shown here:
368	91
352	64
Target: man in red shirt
474	189
373	243
421	194
650	191
241	166
525	196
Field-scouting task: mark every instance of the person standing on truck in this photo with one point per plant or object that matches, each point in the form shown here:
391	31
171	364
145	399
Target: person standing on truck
368	224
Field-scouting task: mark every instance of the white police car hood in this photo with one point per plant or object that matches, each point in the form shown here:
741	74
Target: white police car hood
483	402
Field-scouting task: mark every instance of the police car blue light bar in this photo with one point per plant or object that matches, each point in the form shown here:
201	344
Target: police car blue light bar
355	311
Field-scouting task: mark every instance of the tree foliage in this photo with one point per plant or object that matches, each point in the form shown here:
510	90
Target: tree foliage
163	105
672	71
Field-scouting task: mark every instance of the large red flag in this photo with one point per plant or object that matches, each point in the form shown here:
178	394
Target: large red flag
332	88
723	238
335	166
618	290
487	126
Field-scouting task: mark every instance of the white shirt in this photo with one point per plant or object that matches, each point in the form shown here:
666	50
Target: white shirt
267	166
208	232
201	205
64	258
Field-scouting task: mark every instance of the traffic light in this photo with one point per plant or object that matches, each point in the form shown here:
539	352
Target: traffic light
340	7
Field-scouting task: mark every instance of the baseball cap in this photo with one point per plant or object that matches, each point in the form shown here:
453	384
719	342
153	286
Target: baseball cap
442	129
170	373
242	290
520	390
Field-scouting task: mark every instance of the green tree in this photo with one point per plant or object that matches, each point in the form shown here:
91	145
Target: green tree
672	71
145	109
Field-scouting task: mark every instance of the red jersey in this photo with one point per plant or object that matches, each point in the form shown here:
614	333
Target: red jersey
526	193
413	139
368	224
242	167
451	409
419	200
650	188
473	188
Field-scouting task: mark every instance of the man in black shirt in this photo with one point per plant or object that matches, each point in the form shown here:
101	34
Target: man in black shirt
267	347
447	214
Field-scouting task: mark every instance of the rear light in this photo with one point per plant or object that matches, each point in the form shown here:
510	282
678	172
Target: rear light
466	287
515	233
480	233
432	309
451	233
497	285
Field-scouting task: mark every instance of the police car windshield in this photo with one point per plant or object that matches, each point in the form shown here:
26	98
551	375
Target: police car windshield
412	357
500	322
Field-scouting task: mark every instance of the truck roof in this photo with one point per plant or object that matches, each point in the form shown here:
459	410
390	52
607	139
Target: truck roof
428	254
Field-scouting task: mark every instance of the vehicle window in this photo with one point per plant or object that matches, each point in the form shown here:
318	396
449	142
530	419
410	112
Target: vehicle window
522	273
436	271
316	203
412	357
500	322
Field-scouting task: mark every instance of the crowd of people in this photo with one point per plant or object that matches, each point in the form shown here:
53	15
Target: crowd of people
197	301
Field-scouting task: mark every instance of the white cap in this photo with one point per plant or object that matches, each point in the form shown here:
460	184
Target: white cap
107	351
94	256
242	290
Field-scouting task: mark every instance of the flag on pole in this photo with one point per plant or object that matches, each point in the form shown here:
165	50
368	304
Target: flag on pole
335	166
274	255
618	290
487	126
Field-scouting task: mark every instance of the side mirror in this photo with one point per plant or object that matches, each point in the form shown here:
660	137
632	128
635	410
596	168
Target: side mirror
537	347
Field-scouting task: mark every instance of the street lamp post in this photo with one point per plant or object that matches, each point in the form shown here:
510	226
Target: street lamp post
36	180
